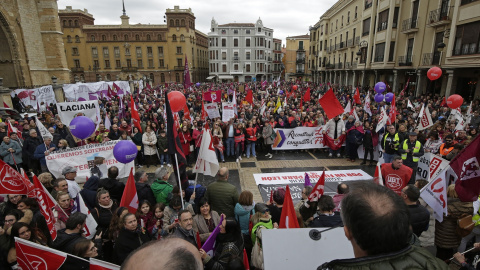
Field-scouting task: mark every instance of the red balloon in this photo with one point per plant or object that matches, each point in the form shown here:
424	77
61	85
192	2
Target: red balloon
294	88
454	101
434	73
177	101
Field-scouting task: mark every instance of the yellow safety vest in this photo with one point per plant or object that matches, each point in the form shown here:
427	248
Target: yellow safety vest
476	217
396	140
416	149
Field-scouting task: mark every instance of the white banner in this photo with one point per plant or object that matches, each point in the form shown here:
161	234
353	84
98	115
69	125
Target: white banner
33	96
435	195
425	118
69	110
430	165
88	159
377	153
298	138
212	110
228	111
92	91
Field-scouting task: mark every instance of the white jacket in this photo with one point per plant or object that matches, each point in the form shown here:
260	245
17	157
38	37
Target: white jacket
330	128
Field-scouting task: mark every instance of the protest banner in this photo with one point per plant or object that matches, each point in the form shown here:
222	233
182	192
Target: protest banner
91	91
69	110
267	182
377	153
212	110
88	159
299	138
430	165
36	96
228	111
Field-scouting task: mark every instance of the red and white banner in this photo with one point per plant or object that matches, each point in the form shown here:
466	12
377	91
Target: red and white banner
45	206
299	177
228	111
430	165
425	118
382	121
318	189
12	182
213	96
466	166
366	107
435	195
212	110
207	162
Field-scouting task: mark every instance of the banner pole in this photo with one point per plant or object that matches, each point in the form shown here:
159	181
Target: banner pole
179	181
16	162
195	185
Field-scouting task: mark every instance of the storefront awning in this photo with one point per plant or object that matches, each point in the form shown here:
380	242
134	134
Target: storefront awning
210	77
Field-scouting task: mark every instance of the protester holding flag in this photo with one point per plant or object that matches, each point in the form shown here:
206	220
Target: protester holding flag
128	239
334	128
355	136
251	135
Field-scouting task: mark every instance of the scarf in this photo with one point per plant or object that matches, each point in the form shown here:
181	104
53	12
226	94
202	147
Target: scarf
108	206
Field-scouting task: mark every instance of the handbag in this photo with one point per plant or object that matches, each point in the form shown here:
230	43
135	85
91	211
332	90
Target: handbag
465	225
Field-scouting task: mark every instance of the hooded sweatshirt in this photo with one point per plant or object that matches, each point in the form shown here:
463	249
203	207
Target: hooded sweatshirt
242	215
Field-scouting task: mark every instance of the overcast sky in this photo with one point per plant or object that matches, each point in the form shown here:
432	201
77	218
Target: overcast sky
286	18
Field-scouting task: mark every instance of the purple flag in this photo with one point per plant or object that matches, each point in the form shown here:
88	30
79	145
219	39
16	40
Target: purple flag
307	181
186	75
209	245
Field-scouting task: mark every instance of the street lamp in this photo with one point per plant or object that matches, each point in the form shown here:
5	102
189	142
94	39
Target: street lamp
363	44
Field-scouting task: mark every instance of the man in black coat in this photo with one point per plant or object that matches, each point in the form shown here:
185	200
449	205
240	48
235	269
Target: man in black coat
29	147
114	187
114	134
66	238
419	215
144	191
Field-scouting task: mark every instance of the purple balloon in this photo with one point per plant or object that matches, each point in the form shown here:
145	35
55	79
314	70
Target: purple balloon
125	151
198	84
82	127
281	92
389	97
380	87
379	98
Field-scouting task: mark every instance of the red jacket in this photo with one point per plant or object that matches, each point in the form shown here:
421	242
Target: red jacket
396	180
252	134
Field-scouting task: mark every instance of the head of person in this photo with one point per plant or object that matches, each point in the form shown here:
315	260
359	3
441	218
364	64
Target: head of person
33	133
397	162
141	177
391	129
230	230
11	218
420	183
451	192
63	199
115	127
185	219
161	173
69	172
176	191
358	123
223	174
204	206
144	208
47	140
279	196
326	204
85	248
170	253
410	194
103	197
433	135
158	210
14	198
176	203
342	188
449	140
376	220
129	222
76	222
412	136
112	172
22	230
60	184
6	140
28	203
245	198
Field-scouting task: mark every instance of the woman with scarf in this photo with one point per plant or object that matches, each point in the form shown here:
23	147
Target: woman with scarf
63	209
102	214
354	138
137	137
261	220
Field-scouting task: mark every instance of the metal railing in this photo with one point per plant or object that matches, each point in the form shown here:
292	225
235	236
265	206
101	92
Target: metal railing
179	68
409	24
348	65
235	59
431	59
438	15
382	26
405	60
129	69
338	65
77	69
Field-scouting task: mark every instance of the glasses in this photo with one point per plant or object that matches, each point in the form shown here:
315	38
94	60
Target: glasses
9	220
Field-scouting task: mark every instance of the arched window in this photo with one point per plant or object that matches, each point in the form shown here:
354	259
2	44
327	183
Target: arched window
115	37
149	38
76	23
171	22
125	37
77	38
137	37
69	39
174	37
182	37
104	38
65	23
177	22
182	22
159	37
70	23
92	38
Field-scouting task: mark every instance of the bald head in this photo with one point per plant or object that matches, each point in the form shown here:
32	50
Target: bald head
223	173
171	253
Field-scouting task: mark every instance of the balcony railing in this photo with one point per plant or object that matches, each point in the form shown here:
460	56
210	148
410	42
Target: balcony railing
405	60
129	69
342	45
338	65
382	26
235	59
378	58
179	68
77	69
150	55
409	25
348	65
300	60
366	33
438	17
329	66
431	59
354	65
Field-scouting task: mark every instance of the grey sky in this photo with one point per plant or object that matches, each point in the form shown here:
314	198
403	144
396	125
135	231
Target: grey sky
286	18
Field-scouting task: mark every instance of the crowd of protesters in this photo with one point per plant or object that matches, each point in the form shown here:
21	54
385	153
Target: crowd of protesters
250	133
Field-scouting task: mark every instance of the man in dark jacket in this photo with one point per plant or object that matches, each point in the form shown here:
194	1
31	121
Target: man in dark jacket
114	187
185	230
419	215
144	191
377	224
66	238
29	148
114	134
222	195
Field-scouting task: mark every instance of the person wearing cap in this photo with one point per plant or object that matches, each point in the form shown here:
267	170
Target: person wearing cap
73	188
162	190
261	220
411	150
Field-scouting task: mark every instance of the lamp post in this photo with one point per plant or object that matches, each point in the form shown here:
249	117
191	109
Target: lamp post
363	44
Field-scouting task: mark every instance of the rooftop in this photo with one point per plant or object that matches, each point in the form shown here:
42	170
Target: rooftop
300	36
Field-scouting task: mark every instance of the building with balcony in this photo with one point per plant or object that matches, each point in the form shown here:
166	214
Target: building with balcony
296	62
361	42
157	52
278	66
241	52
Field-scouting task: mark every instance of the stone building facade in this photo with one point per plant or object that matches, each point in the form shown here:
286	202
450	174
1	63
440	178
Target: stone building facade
296	58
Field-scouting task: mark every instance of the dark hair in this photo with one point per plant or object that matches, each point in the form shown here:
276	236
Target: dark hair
421	183
279	195
235	263
31	203
16	213
342	188
181	212
325	203
377	218
176	190
14	232
233	233
458	146
81	247
396	157
434	134
449	136
139	209
412	192
112	172
125	218
202	202
138	175
57	181
176	201
74	220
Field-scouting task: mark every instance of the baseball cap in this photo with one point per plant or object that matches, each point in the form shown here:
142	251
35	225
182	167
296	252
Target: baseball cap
69	169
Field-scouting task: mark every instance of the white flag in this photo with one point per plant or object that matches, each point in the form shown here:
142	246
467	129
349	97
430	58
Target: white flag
90	224
469	113
425	118
107	123
234	101
382	121
435	195
409	104
366	107
348	108
356	115
43	130
97	264
207	162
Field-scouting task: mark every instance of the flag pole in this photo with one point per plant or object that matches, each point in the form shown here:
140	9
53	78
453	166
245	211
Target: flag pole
195	185
14	162
179	182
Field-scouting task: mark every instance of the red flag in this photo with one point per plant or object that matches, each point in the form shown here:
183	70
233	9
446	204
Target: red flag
334	144
45	206
135	115
307	97
377	177
5	105
174	145
186	113
404	89
466	166
392	115
356	97
199	241
249	97
11	128
129	197
186	75
213	96
271	196
34	256
288	219
444	102
110	93
330	104
115	89
318	190
12	182
246	264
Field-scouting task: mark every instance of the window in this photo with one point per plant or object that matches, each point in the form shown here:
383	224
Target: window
65	23
94	52
247	42
342	20
179	50
105	52
129	62
224	68
140	63
467	39
150	63
149	51
159	37
177	22
224	55
224	32
107	63
77	63
125	37
368	3
138	51
162	77
235	42
182	37
92	38
69	39
410	50
127	51
70	23
366	27
118	64
356	13
247	56
174	37
74	51
224	42
383	20
395	17
464	2
177	77
161	63
96	63
182	22
259	29
114	37
76	23
261	42
137	37
149	37
348	17
235	67
391	53
379	52
104	38
160	51
247	31
179	62
172	23
300	45
116	51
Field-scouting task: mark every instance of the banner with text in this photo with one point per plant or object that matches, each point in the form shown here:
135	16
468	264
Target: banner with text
298	138
94	90
430	165
228	111
267	182
35	96
212	110
69	110
91	159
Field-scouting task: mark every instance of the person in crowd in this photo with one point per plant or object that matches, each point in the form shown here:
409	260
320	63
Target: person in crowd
355	136
157	230
137	137
268	135
144	191
86	249
184	228
261	220
114	187
11	153
377	225
342	191
102	213
44	150
66	238
419	215
222	195
125	128
114	133
370	140
89	192
144	215
276	208
228	245
206	221
457	148
390	144
161	188
335	128
73	188
31	144
197	135
149	141
63	144
432	145
115	224
230	138
239	135
326	216
411	150
63	209
185	139
244	210
162	147
395	175
128	239
251	135
447	146
26	232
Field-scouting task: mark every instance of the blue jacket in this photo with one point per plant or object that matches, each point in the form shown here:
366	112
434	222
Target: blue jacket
40	153
7	156
242	215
